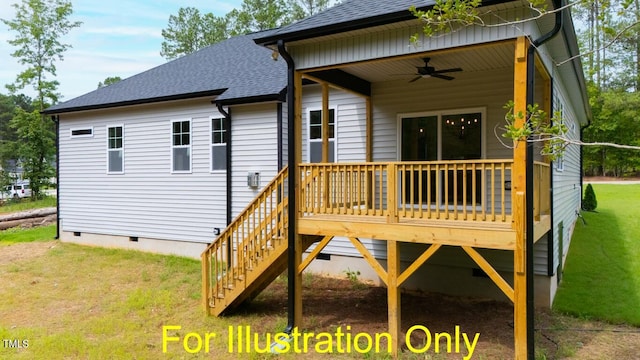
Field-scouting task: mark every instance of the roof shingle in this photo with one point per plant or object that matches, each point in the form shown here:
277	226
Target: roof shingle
237	68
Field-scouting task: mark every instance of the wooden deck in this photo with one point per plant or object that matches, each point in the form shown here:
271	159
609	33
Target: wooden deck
488	235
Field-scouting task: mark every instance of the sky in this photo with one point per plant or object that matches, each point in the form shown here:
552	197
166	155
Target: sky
117	38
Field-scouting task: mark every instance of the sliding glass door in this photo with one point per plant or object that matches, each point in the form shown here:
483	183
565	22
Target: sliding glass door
442	136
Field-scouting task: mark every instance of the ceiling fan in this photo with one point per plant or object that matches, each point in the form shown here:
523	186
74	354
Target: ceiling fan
427	71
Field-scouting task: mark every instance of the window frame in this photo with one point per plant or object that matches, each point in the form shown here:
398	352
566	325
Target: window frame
558	105
109	150
189	147
441	114
212	144
335	132
71	130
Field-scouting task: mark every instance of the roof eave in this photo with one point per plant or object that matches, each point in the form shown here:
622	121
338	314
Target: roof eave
193	95
384	19
280	96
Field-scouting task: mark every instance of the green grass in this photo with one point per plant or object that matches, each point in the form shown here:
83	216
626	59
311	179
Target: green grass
27	204
602	272
16	235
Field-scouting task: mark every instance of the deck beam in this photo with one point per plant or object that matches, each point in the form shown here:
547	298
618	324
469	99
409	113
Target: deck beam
500	238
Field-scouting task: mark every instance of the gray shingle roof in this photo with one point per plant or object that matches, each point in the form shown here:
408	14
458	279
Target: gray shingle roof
349	15
237	68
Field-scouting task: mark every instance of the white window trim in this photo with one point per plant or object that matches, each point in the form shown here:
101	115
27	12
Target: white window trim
171	147
211	144
440	114
71	130
109	150
558	102
335	132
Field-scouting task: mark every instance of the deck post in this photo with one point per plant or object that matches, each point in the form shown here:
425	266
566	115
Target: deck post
294	175
518	200
393	295
325	123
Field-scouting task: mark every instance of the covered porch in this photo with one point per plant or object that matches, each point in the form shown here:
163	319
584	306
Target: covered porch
433	169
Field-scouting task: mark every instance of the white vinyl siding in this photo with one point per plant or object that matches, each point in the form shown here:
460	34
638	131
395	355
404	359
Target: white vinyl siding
115	149
147	201
181	146
254	148
566	180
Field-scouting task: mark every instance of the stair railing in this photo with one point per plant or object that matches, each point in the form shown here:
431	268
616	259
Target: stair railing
252	235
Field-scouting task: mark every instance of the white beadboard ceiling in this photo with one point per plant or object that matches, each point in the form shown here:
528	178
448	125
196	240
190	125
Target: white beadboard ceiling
472	59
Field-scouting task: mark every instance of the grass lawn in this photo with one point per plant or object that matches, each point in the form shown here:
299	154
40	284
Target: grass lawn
27	204
18	235
72	301
602	272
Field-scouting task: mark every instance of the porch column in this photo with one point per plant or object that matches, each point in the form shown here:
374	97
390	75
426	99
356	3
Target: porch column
325	122
518	202
393	295
294	175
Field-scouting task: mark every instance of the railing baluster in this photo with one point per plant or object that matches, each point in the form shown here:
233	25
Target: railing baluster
493	190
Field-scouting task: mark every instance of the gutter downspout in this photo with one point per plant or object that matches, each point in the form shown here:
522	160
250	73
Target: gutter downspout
227	120
291	160
56	120
529	179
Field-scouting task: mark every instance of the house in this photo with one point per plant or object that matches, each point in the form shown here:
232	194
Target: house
393	164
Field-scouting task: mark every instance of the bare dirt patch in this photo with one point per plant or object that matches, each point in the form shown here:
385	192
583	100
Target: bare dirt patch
94	295
23	251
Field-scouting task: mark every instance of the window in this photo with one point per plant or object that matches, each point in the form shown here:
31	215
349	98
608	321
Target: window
558	108
115	149
218	144
181	146
84	132
315	136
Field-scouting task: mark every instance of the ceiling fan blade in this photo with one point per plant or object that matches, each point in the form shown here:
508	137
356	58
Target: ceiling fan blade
443	77
415	79
447	70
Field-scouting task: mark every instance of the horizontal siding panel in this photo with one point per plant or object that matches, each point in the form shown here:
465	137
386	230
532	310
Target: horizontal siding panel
147	200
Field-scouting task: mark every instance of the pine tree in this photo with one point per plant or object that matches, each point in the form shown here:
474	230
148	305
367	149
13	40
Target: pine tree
589	203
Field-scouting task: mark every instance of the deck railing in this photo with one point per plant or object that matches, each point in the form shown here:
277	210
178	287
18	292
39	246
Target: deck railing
257	230
476	190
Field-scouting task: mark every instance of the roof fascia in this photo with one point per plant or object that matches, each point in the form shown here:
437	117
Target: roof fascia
254	99
135	102
358	24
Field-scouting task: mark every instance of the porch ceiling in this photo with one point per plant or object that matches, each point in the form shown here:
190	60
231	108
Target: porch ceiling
470	59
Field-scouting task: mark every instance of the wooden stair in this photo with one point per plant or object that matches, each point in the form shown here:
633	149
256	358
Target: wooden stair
251	252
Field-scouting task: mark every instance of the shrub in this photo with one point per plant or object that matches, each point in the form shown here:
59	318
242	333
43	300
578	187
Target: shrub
589	203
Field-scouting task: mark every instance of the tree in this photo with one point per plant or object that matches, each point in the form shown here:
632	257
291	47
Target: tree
109	81
300	9
190	31
258	15
9	137
589	203
450	15
39	24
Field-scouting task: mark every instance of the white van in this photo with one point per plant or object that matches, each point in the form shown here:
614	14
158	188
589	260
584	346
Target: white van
17	191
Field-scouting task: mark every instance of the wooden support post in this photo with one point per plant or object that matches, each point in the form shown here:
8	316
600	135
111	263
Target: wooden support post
294	175
519	175
325	122
393	295
206	281
369	131
520	283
